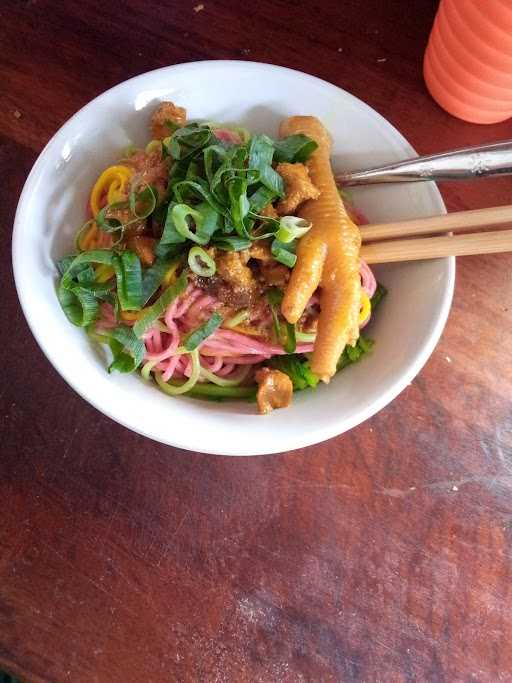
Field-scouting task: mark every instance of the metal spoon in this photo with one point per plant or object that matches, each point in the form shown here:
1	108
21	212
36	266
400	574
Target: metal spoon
460	164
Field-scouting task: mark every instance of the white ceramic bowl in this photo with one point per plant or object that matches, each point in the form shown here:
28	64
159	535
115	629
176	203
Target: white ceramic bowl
406	327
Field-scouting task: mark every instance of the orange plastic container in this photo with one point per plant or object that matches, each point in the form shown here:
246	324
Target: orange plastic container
468	61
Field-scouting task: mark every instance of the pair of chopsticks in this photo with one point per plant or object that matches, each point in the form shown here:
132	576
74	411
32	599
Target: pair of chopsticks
384	243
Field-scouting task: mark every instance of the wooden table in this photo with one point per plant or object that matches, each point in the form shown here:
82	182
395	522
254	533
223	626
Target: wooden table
382	555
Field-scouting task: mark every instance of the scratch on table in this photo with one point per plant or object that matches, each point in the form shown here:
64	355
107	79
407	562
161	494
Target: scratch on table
316	484
449	485
98	586
168	545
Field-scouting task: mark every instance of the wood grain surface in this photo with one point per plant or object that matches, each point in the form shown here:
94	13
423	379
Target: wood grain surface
382	555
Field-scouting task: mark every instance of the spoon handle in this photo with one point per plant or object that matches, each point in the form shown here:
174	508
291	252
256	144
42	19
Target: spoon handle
460	164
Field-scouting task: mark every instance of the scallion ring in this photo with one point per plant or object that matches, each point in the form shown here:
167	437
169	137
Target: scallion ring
201	263
292	227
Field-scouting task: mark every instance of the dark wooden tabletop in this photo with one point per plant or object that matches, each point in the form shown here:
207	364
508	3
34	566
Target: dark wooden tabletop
382	555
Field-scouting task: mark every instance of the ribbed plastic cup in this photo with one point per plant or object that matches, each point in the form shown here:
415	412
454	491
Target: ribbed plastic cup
468	60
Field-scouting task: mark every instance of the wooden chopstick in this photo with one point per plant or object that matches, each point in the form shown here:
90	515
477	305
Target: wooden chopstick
380	247
451	222
437	247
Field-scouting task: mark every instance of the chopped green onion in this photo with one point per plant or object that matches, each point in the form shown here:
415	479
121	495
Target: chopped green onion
128	272
294	148
231	243
187	140
159	307
108	224
196	188
79	305
197	337
261	198
201	263
305	337
213	156
77	292
283	253
238	318
261	151
290	343
71	263
128	351
237	192
174	390
204	217
142	204
153	276
292	227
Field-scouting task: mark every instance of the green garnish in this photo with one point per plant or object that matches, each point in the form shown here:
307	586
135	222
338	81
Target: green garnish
128	272
379	294
158	308
197	337
297	369
127	350
353	354
294	148
201	263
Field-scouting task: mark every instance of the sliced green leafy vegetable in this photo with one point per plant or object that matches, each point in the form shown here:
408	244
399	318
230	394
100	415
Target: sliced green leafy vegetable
127	350
195	187
205	221
261	198
153	276
77	292
237	192
297	368
291	228
198	336
142	203
80	306
111	224
379	294
261	151
128	272
231	243
353	354
294	148
187	140
158	308
284	253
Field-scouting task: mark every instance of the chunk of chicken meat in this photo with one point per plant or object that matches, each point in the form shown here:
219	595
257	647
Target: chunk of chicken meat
260	251
166	111
298	187
275	390
233	269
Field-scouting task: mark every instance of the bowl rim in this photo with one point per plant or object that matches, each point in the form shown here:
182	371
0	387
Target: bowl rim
312	437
